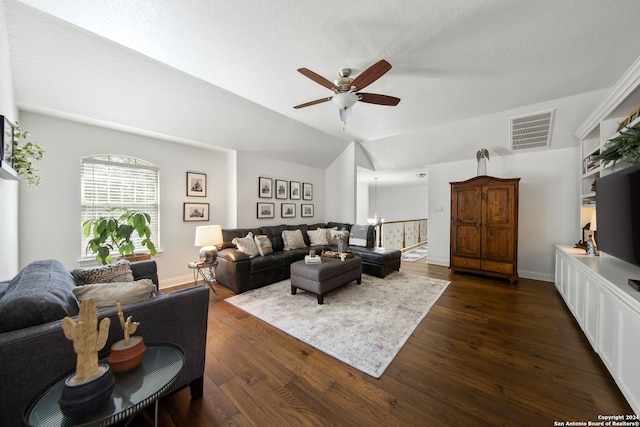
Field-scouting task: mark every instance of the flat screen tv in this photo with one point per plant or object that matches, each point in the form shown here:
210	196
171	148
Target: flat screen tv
618	214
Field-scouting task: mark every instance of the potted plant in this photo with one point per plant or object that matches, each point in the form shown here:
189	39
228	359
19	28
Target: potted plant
115	232
625	146
24	154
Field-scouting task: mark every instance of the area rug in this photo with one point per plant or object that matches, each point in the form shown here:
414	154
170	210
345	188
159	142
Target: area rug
363	325
415	254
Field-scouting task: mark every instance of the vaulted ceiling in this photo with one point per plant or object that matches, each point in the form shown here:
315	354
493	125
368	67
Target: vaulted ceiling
223	73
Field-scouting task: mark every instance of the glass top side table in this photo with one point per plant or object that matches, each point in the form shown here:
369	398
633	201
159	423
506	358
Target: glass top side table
133	391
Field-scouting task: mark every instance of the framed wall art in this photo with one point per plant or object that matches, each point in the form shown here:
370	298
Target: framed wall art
196	212
282	189
265	190
265	210
288	210
294	190
307	191
196	184
306	210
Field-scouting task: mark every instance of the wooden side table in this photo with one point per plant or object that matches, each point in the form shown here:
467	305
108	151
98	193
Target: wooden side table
133	391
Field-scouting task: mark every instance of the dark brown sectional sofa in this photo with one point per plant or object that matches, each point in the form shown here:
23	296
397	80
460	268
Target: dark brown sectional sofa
239	272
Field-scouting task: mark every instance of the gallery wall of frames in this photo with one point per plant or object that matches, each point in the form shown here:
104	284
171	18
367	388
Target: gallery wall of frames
293	195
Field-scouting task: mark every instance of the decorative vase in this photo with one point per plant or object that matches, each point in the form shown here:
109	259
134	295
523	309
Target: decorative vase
482	166
342	244
85	397
123	358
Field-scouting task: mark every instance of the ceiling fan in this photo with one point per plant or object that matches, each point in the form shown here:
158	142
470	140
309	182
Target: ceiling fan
347	89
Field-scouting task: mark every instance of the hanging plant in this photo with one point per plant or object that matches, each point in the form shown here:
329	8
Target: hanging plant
625	146
24	154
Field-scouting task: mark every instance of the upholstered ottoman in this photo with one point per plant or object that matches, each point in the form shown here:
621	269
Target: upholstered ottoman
379	262
327	276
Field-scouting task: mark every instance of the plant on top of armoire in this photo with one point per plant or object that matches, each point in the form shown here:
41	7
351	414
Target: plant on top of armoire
113	232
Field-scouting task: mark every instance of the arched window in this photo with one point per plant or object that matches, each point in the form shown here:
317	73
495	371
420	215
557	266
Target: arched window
115	181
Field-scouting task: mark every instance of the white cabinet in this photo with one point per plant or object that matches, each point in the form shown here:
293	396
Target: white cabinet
607	309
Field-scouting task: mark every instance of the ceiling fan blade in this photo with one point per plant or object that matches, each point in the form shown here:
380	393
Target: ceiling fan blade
374	98
317	78
371	74
317	101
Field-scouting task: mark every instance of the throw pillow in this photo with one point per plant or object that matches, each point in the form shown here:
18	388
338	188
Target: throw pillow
358	235
117	272
293	239
318	237
106	294
264	245
246	245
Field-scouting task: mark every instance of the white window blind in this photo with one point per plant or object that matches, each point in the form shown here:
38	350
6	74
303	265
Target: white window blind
114	181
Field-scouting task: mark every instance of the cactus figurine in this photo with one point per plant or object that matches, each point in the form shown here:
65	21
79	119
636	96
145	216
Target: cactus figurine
87	339
129	327
127	353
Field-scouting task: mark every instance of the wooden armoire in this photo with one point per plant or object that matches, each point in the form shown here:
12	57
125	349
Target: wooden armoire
484	226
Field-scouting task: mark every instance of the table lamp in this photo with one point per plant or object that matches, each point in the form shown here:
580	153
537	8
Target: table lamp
208	237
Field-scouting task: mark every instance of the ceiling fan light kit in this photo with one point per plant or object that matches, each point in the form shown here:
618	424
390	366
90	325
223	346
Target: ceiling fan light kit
346	89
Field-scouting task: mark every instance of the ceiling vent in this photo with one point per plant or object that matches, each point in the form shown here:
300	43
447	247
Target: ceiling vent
532	130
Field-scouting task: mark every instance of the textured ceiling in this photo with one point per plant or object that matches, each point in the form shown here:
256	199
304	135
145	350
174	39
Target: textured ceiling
224	73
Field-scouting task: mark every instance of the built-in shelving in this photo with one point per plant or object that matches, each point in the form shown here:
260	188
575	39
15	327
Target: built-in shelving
602	125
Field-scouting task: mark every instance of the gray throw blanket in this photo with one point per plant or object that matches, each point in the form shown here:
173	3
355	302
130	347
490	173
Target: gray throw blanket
358	235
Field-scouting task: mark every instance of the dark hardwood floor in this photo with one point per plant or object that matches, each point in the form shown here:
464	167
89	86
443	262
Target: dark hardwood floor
489	353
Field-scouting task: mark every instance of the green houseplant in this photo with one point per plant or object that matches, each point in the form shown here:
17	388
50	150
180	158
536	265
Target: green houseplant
625	146
24	154
115	232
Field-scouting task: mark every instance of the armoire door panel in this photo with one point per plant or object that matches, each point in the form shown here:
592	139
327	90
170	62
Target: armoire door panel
499	205
469	208
498	244
467	241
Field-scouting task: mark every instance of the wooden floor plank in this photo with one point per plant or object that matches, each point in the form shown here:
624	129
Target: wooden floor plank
488	353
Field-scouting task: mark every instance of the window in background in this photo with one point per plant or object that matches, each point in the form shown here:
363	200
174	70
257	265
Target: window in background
115	181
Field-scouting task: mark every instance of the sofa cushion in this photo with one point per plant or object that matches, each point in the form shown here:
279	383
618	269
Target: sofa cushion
116	272
106	294
293	239
274	232
42	292
247	245
318	237
264	245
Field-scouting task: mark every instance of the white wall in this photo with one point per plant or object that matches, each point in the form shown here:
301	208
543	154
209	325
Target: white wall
251	166
9	264
362	202
548	205
341	187
399	203
50	213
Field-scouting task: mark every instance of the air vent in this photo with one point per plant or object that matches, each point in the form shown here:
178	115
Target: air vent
532	130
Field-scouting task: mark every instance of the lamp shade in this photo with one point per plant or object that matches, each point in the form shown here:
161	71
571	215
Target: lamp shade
208	235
